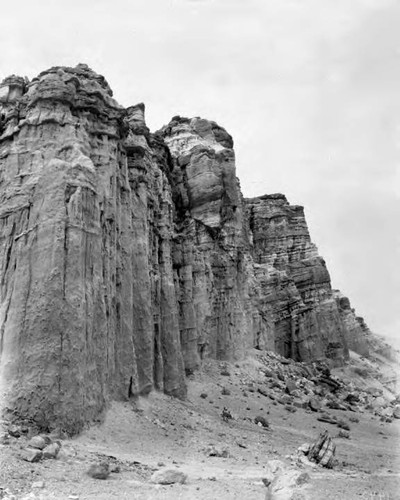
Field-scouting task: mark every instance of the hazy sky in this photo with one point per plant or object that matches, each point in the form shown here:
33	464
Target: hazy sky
309	89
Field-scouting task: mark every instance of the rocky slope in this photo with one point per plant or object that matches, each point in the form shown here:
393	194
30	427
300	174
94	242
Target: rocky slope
127	257
276	406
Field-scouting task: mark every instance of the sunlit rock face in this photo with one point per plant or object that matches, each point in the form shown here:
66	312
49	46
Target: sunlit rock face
127	257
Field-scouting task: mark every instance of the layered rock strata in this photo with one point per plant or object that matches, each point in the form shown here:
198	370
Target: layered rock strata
127	257
358	336
295	284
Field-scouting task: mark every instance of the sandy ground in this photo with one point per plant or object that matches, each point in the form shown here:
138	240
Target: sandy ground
160	432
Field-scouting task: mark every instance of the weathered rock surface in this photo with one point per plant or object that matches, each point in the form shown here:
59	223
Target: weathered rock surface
126	257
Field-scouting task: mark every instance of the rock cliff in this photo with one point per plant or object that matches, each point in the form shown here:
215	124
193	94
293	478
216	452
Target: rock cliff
126	257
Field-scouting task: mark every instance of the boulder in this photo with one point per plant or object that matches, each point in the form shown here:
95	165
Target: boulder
387	412
304	448
326	417
261	421
217	451
290	386
4	439
14	431
284	483
51	450
38	485
226	415
169	476
352	398
263	391
99	471
343	424
38	442
285	399
334	404
31	455
301	403
378	402
322	451
315	404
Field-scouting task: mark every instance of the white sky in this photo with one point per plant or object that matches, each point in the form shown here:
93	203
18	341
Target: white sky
309	89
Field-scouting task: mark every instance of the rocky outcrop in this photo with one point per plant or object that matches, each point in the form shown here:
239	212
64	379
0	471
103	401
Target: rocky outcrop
356	331
126	257
359	337
293	282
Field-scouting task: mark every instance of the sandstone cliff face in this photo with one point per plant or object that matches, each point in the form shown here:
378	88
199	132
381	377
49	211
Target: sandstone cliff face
86	272
209	242
126	257
296	290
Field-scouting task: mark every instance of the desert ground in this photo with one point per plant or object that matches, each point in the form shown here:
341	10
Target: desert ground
232	458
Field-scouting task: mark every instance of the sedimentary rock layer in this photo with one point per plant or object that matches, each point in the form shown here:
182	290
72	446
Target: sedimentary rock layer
127	257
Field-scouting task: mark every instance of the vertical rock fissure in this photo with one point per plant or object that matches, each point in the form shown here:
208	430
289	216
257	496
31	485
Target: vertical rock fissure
33	238
65	256
8	256
2	328
60	369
